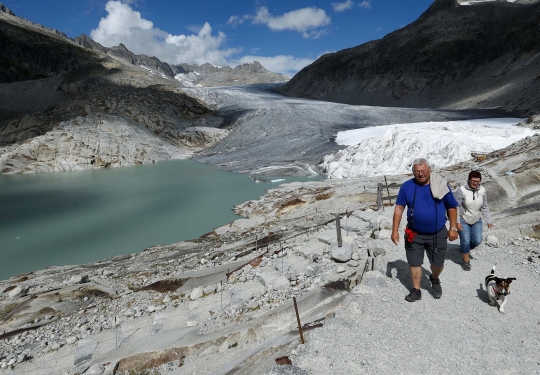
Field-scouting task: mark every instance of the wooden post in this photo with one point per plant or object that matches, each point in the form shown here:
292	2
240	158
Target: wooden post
379	196
388	190
338	230
298	320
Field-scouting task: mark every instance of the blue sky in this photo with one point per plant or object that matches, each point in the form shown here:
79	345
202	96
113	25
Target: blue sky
283	35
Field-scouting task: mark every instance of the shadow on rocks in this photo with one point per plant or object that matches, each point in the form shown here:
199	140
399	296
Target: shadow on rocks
453	254
482	294
399	269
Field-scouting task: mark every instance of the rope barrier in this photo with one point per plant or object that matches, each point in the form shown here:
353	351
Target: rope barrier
198	306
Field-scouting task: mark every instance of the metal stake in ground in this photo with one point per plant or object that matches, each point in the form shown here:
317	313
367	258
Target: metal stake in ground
116	332
281	258
338	230
298	320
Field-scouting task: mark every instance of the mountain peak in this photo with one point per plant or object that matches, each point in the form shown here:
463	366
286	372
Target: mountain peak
4	9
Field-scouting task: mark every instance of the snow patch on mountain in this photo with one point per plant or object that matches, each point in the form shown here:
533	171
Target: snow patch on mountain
391	149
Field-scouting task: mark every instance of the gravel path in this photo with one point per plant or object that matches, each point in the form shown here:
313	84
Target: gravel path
378	332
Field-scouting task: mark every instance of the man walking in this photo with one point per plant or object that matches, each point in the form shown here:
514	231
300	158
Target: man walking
428	199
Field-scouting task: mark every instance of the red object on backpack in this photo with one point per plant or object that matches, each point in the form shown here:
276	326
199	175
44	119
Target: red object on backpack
410	234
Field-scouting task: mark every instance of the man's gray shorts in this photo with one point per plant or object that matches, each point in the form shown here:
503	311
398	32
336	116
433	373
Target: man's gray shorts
434	245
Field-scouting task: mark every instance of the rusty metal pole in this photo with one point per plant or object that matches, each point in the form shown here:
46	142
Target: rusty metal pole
298	320
338	230
388	190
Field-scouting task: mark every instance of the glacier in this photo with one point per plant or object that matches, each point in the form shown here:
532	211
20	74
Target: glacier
274	135
391	149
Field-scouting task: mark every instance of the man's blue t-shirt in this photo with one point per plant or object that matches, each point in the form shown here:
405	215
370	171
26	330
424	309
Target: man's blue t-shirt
429	213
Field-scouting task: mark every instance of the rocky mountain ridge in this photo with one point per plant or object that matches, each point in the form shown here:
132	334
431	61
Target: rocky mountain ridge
210	75
453	56
190	74
66	107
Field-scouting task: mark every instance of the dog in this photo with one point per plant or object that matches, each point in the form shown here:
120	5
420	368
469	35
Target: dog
498	289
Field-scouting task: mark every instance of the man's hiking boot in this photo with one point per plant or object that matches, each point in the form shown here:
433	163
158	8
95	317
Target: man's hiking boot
435	287
466	266
414	295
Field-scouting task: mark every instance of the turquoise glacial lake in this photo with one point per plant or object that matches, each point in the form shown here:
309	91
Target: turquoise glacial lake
53	219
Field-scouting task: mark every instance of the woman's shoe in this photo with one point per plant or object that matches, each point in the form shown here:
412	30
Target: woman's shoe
466	266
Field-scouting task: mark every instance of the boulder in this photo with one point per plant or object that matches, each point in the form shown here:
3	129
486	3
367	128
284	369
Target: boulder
209	289
367	215
384	234
492	241
309	249
95	369
79	279
71	340
18	292
196	293
281	283
266	279
341	254
382	222
354	224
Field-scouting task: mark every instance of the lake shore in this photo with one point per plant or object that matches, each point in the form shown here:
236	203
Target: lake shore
223	303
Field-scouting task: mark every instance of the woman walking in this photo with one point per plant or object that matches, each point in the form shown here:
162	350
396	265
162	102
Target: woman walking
472	201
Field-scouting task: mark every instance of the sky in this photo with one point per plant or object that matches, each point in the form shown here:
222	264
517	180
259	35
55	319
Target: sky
283	35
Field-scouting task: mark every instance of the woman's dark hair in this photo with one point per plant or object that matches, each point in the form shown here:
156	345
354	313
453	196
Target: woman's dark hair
475	174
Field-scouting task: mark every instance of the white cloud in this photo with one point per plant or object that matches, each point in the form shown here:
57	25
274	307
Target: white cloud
340	7
305	20
365	4
238	20
124	25
234	21
286	65
378	29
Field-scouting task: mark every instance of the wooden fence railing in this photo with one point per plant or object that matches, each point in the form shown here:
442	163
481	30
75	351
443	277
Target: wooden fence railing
380	193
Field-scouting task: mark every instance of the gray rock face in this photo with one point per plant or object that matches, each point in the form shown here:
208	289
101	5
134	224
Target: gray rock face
83	354
136	127
50	55
435	62
209	75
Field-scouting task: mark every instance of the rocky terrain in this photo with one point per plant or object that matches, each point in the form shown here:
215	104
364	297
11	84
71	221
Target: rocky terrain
458	54
74	104
189	74
223	303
